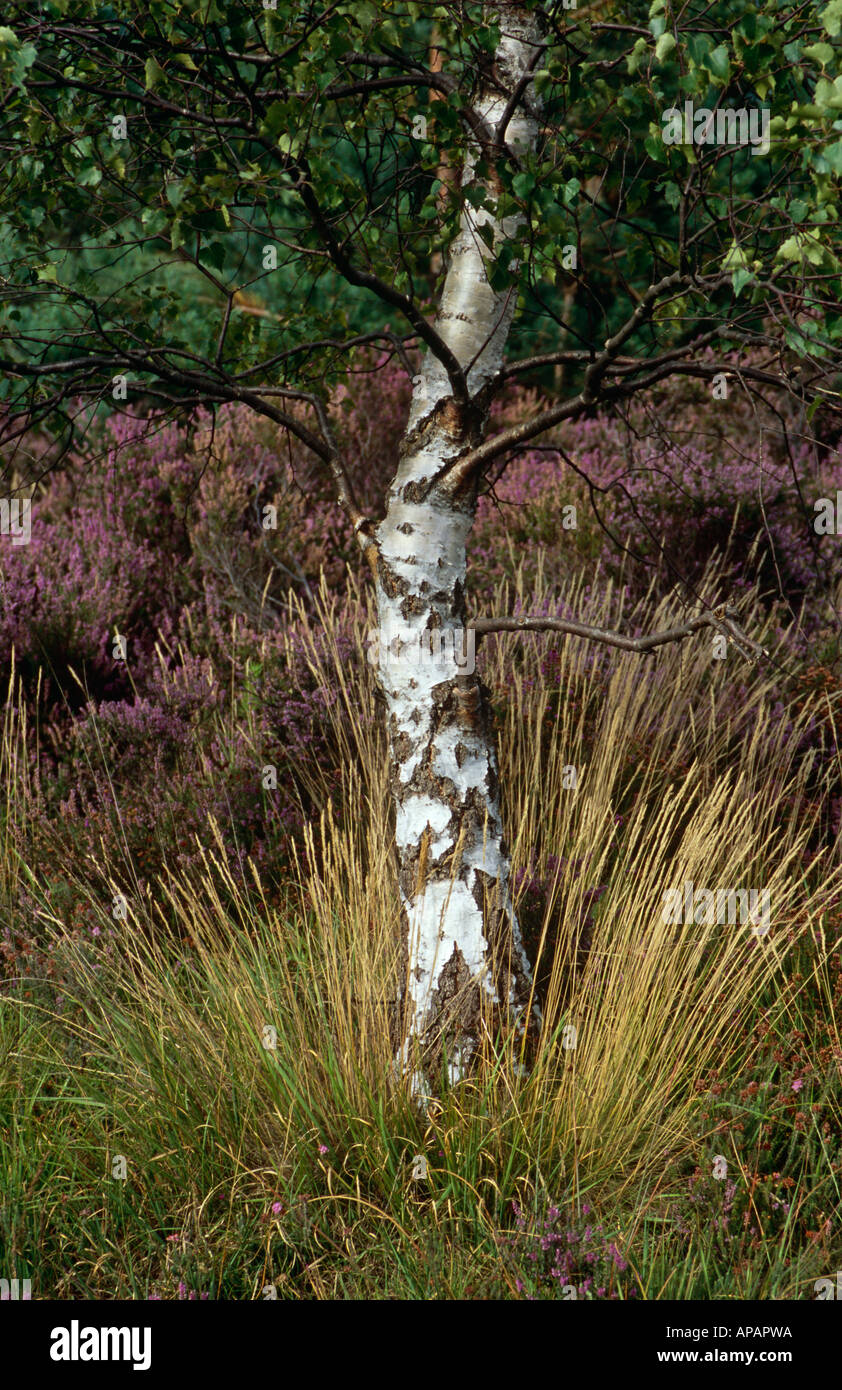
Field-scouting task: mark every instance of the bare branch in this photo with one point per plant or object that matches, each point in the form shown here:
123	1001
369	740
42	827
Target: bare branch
723	619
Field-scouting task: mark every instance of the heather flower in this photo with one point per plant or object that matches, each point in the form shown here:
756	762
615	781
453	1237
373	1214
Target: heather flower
555	1253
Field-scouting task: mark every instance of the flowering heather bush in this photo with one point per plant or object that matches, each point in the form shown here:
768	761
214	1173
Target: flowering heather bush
148	773
255	468
159	535
185	1260
93	567
684	476
142	523
565	1256
136	781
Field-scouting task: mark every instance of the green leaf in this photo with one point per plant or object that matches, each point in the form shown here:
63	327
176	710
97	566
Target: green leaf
829	94
214	254
523	184
833	155
719	63
154	74
364	12
789	250
89	175
822	52
735	259
699	46
499	277
154	220
486	232
637	55
18	57
831	17
806	246
740	279
277	116
664	47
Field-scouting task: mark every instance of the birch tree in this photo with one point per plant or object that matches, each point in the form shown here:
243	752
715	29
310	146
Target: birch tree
627	199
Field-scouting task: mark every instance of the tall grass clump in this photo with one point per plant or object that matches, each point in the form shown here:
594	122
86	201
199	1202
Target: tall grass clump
224	1023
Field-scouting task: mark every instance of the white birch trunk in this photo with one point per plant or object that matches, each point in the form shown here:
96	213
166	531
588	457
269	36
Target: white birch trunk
463	955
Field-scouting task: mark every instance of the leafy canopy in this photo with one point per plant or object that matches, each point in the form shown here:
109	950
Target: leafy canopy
223	202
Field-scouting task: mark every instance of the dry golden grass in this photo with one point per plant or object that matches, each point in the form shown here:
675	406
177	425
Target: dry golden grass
170	1049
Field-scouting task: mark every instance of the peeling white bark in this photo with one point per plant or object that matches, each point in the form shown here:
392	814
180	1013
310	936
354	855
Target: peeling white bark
448	826
474	321
463	944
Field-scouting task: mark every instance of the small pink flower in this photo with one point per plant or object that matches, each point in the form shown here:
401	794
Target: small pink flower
277	1208
323	1148
797	1083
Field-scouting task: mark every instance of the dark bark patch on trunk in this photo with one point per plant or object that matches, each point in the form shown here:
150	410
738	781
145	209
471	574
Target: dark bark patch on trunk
401	746
392	587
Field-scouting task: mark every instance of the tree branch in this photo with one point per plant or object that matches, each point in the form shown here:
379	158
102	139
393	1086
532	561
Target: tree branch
723	619
458	474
